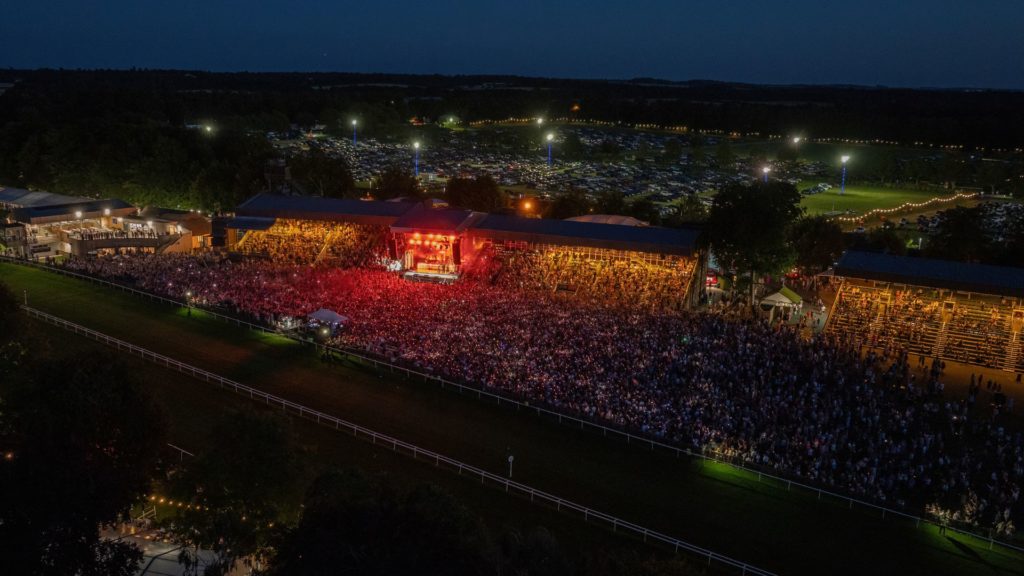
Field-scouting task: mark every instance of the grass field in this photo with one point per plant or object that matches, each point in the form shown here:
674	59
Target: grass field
193	407
861	199
709	505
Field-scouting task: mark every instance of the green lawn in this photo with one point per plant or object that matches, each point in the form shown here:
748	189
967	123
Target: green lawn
861	199
193	406
709	505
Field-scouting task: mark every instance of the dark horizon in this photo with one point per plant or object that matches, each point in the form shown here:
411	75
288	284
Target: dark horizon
915	44
633	80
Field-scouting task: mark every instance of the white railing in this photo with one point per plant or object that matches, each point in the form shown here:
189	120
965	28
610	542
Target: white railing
705	454
400	446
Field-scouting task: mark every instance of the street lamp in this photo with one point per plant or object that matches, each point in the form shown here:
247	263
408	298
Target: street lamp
540	121
188	302
796	140
550	137
766	170
416	162
354	123
842	187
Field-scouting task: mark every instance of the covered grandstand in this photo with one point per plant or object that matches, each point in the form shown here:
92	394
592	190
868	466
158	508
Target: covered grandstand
971	313
441	244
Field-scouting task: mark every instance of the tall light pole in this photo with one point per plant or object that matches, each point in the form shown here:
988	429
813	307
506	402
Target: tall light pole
416	162
354	123
550	137
842	186
766	170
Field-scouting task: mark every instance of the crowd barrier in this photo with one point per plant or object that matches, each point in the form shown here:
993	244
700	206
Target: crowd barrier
630	438
402	447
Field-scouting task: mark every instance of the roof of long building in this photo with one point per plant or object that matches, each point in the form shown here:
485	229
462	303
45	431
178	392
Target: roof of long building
980	278
408	216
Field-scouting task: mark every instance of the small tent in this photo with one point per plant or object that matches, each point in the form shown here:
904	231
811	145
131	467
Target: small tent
325	316
784	297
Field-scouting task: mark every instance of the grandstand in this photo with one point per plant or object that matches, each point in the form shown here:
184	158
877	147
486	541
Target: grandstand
970	313
641	265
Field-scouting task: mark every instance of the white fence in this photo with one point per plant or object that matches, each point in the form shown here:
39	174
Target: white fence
583	424
417	453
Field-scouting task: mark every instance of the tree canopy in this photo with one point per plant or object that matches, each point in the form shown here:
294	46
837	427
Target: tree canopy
818	243
749	227
322	175
396	182
83	437
481	193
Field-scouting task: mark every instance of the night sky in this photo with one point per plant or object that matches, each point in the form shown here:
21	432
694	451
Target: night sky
938	43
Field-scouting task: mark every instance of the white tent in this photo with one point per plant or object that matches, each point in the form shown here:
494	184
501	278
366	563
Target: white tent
784	297
326	316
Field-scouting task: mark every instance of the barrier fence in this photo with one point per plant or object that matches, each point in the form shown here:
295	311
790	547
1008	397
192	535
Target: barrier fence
709	455
400	446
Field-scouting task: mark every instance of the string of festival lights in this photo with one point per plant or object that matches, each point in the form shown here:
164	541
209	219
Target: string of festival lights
908	205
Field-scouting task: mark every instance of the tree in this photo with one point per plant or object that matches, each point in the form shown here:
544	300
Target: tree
697	155
323	175
83	435
961	235
395	182
672	151
885	240
818	242
359	524
611	202
241	480
571	147
644	209
570	203
749	225
724	155
689	210
481	193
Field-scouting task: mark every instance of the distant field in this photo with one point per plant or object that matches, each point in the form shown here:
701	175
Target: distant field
790	532
861	199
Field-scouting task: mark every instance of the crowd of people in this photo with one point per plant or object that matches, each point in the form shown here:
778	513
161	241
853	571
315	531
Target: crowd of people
815	410
626	279
975	330
307	242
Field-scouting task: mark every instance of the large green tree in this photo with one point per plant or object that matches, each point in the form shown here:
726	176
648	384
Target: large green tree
322	175
818	242
241	481
82	437
961	235
570	203
481	193
395	182
749	228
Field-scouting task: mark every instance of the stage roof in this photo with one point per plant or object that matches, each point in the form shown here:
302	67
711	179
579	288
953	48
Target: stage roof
423	218
981	278
681	241
325	209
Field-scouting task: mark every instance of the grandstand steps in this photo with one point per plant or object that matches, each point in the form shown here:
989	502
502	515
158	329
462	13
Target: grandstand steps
1013	353
939	349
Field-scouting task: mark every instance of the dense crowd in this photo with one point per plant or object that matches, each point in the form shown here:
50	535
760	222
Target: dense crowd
814	410
308	242
627	279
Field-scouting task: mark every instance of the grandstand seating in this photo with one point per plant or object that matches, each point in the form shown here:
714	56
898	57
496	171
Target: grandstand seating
973	328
